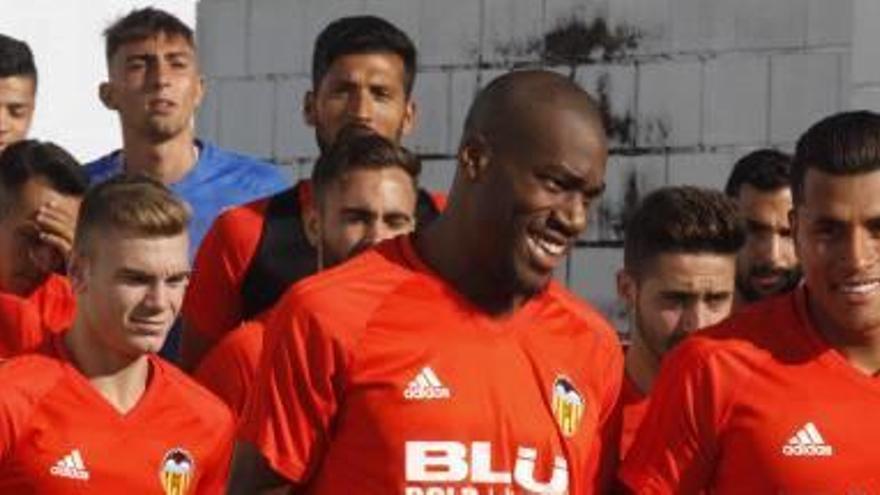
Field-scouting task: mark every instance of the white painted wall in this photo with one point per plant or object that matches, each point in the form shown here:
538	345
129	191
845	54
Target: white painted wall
66	38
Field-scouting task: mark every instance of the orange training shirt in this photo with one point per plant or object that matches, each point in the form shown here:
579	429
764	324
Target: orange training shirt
759	404
377	378
230	368
634	405
58	435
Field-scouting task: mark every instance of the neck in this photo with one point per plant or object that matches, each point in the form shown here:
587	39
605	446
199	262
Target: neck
641	365
442	246
120	380
167	161
861	347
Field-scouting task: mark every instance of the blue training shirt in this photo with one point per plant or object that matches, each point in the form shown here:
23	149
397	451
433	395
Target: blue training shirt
220	179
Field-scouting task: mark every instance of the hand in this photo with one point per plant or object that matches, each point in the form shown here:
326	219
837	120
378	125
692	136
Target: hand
56	227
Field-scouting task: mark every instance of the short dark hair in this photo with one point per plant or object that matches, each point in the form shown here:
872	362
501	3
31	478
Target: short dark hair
362	34
846	143
764	169
132	203
16	58
356	148
140	24
682	219
24	160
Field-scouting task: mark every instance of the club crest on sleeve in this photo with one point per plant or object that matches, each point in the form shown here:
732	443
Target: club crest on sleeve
177	472
568	406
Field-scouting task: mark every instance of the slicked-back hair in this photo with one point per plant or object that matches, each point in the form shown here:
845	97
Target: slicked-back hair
362	34
764	169
30	159
140	24
357	148
682	219
846	143
16	59
132	203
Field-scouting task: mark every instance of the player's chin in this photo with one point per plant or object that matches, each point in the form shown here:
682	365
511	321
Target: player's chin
530	280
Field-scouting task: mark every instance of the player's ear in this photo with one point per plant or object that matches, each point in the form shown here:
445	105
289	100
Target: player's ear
795	227
474	156
312	226
77	271
627	287
105	94
308	108
409	117
201	86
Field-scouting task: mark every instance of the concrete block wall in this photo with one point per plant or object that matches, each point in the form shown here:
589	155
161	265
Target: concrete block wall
688	85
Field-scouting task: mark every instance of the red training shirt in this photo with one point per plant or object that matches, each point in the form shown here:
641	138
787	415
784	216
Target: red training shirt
377	378
759	404
58	435
26	322
634	405
229	369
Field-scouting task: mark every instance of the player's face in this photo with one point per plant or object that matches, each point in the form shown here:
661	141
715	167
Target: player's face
25	259
677	294
155	86
17	94
364	207
365	89
837	234
538	198
130	289
767	264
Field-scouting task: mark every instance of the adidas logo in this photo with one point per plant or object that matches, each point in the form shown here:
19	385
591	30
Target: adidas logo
807	442
426	386
71	466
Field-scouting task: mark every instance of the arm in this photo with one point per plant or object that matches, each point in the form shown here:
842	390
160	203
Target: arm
288	414
212	305
675	448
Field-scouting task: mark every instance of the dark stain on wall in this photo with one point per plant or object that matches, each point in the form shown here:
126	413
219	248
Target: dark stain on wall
574	41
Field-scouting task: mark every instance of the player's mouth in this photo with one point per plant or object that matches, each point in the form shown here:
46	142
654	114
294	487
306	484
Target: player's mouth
162	105
545	249
146	326
858	290
767	281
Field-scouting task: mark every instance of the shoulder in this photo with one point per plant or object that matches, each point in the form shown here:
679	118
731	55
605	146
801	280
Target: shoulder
757	332
102	168
26	379
591	323
241	220
363	283
192	396
239	163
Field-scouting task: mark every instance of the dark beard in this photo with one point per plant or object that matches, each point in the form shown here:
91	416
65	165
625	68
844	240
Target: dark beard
790	278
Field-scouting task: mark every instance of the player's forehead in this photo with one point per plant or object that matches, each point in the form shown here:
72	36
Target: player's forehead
694	271
37	191
17	90
118	249
375	67
379	187
159	44
843	198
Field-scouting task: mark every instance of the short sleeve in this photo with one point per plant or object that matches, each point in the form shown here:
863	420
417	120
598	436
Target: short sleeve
212	306
301	370
230	368
675	448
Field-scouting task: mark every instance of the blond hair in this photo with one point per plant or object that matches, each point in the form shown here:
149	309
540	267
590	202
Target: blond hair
131	203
